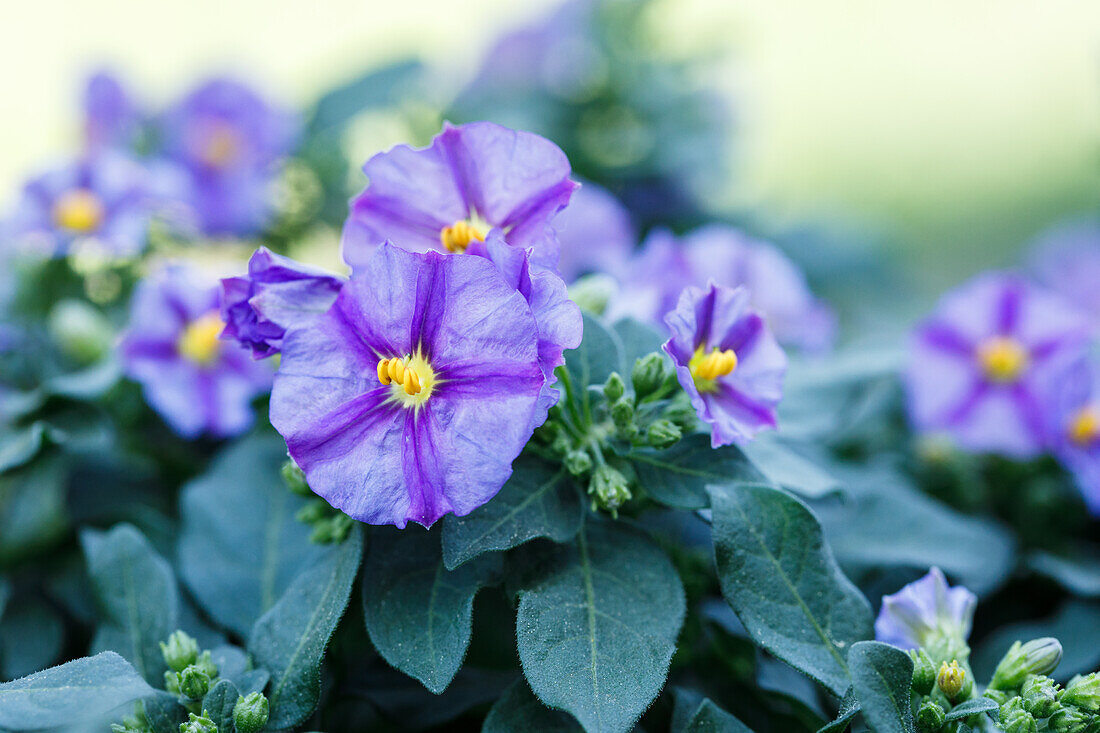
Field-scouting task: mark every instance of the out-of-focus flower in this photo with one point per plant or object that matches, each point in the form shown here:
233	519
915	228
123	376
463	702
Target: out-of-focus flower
105	199
413	394
928	614
229	139
111	119
195	381
472	178
276	292
977	367
1067	260
1073	425
727	361
595	233
652	281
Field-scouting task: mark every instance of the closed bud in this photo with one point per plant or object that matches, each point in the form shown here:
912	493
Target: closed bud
1069	720
930	717
998	696
198	724
206	664
1014	719
194	682
609	488
614	388
924	672
1038	656
951	679
1040	695
663	433
1083	692
561	444
683	414
81	331
593	292
622	414
250	713
577	462
179	651
172	682
648	374
312	511
295	478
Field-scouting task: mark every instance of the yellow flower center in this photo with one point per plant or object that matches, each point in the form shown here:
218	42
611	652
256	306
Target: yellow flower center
706	367
220	146
1084	428
411	377
78	210
1002	359
199	341
457	237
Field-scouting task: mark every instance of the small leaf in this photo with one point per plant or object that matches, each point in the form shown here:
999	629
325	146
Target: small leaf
418	613
519	711
849	707
537	501
20	445
290	639
882	676
597	627
164	712
219	703
977	706
638	339
589	365
79	690
136	592
240	545
787	469
678	477
780	578
694	713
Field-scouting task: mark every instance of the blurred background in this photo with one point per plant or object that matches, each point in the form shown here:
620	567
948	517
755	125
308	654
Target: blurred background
945	133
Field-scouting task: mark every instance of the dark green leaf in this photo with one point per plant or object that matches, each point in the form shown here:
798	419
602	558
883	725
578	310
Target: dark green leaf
20	445
240	545
1080	574
137	595
679	476
783	467
5	594
539	500
597	627
976	706
519	711
219	703
75	691
637	339
290	639
1076	620
849	707
417	612
31	637
694	713
378	88
32	508
164	712
780	577
589	365
882	676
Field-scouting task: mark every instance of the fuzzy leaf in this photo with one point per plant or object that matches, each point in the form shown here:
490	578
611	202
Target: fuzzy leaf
694	713
638	339
31	637
881	677
977	706
679	476
782	581
219	703
589	365
849	708
519	711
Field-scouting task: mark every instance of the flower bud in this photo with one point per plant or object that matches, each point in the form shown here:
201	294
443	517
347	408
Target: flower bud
951	679
924	672
1040	695
1038	656
930	717
609	488
172	682
180	651
1014	719
593	292
648	374
578	462
295	478
206	664
683	414
998	696
250	713
663	434
198	724
312	511
81	331
1083	692
1069	720
194	682
614	388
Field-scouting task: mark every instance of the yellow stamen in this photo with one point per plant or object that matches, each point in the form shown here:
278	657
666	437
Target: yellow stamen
1002	359
78	210
457	237
709	366
1084	428
221	145
384	371
411	376
199	341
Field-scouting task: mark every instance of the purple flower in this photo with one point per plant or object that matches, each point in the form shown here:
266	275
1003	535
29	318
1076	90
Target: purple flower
595	233
1067	260
472	178
413	394
229	139
977	366
105	198
195	381
277	292
110	117
727	361
925	613
1073	425
652	281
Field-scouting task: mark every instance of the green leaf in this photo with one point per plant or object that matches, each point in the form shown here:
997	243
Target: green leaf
78	690
849	707
589	365
597	627
20	445
785	468
290	639
1079	574
219	703
418	613
519	711
31	637
638	339
694	713
5	594
782	581
240	545
678	477
977	706
32	508
539	500
137	595
164	712
882	676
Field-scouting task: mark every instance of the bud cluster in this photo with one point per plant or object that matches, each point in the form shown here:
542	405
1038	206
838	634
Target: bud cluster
330	526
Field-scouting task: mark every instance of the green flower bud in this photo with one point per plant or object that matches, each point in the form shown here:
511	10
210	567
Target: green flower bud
194	682
331	530
198	724
593	292
951	679
930	717
648	374
682	413
1014	719
172	682
622	414
1038	656
663	434
206	664
1069	720
313	511
250	713
924	672
998	696
609	489
295	478
577	462
1083	692
180	651
135	723
614	387
81	331
1040	695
